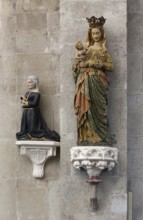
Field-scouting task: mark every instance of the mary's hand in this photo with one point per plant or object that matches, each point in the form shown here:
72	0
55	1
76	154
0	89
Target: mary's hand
91	63
98	64
84	64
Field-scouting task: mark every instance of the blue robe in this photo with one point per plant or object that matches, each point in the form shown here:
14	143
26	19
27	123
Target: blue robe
33	125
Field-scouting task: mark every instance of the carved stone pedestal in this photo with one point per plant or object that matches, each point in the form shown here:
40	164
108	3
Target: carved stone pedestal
94	159
38	152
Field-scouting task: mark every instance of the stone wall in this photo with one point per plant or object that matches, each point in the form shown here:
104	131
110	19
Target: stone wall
29	44
76	194
135	105
38	37
8	151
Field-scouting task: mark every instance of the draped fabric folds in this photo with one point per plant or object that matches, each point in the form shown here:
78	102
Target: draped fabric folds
90	101
33	126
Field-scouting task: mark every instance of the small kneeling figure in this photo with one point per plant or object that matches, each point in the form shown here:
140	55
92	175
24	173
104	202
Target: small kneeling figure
33	126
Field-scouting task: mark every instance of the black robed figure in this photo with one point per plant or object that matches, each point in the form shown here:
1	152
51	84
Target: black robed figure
33	126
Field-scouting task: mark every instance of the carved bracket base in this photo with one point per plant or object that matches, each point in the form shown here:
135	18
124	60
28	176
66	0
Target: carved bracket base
94	159
38	152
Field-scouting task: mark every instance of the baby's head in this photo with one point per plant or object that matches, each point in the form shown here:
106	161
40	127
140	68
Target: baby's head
82	51
79	46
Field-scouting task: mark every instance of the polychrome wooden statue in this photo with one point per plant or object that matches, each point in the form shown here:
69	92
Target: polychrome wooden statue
33	126
90	70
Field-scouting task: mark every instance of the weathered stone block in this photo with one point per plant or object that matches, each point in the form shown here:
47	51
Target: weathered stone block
7	8
24	167
8	158
135	125
135	53
56	109
53	42
47	110
46	66
118	78
6	90
135	162
134	19
54	200
65	163
119	206
115	185
79	33
8	198
112	30
83	9
7	33
122	163
8	66
137	188
67	111
37	5
52	167
31	32
74	189
135	6
28	192
8	117
53	20
117	108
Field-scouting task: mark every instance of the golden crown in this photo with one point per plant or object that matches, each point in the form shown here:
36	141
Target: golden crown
94	22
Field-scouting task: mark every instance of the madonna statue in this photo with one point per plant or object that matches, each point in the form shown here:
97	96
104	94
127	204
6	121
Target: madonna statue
33	126
90	69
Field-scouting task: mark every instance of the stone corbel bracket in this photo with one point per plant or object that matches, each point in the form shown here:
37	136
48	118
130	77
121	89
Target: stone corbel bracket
38	152
94	159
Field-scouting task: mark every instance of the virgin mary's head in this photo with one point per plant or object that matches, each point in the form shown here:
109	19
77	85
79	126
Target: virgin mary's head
95	34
